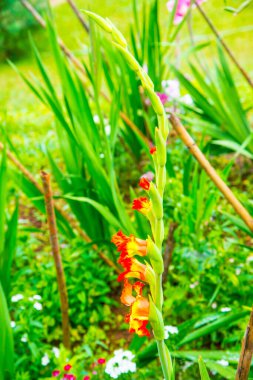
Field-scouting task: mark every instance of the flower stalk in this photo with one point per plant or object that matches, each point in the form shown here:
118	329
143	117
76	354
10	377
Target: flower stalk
142	309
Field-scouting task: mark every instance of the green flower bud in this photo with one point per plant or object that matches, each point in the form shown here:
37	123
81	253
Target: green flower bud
104	24
155	256
163	125
155	101
161	178
151	278
156	201
161	151
159	232
156	320
118	36
128	56
146	80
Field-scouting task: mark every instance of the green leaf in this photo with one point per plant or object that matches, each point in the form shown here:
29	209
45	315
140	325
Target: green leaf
6	340
202	369
104	211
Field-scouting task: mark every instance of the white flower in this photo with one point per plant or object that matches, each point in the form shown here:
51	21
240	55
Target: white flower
108	130
214	305
187	99
13	324
237	271
225	309
171	88
56	351
45	360
101	155
37	297
194	284
24	338
37	306
120	363
17	297
249	259
223	362
170	330
231	260
96	119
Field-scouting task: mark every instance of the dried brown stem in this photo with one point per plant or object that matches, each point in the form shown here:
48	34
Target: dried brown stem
167	258
64	214
220	184
57	258
243	368
229	52
78	15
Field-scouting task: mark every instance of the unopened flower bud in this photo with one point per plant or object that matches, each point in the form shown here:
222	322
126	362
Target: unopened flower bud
156	201
161	148
155	256
155	101
103	23
156	320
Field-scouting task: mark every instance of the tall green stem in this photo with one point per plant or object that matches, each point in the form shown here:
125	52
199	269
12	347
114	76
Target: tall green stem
156	195
165	359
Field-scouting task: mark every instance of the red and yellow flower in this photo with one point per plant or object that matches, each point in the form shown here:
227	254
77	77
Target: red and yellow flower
142	205
139	308
132	268
129	245
152	150
144	183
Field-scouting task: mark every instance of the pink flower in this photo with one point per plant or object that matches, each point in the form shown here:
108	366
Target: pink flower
86	378
101	361
148	176
163	97
69	376
67	367
182	8
56	373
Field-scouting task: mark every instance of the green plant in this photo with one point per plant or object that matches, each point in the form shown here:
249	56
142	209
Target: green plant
13	27
8	235
217	102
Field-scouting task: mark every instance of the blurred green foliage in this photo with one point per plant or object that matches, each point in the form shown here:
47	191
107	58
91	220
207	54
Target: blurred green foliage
15	21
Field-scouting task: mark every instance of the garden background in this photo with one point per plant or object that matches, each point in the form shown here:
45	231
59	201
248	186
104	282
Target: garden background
59	123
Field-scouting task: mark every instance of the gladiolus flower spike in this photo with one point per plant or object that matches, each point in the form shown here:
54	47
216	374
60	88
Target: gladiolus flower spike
144	310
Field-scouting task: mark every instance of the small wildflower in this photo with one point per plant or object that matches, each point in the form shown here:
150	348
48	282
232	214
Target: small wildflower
67	367
214	305
163	97
182	9
24	338
13	324
121	363
56	373
45	360
171	88
56	352
170	330
86	378
17	297
37	306
101	361
37	297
